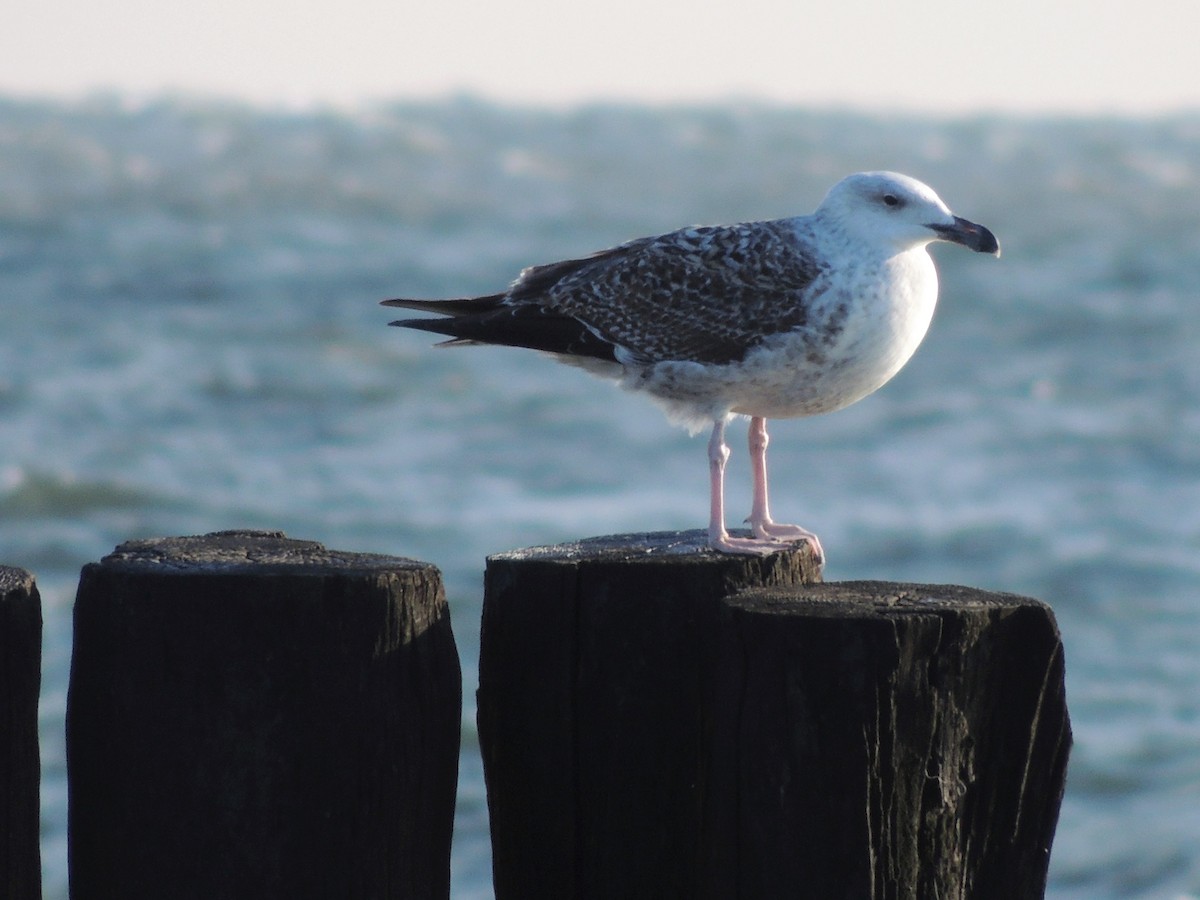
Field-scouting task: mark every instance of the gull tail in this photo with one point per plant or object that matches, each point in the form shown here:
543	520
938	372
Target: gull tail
489	320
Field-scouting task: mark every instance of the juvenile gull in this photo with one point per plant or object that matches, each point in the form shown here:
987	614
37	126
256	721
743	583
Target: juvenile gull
776	319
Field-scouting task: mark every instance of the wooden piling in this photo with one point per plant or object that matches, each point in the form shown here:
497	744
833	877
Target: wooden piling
686	724
884	740
20	766
254	716
595	687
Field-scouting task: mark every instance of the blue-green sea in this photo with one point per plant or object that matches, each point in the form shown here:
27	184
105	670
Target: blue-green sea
190	341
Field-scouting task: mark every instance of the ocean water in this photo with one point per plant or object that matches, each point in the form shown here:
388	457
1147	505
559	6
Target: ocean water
191	341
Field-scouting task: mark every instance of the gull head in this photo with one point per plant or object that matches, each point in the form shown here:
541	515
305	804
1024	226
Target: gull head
894	210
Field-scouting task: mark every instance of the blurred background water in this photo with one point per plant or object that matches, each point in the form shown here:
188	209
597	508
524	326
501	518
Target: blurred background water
191	341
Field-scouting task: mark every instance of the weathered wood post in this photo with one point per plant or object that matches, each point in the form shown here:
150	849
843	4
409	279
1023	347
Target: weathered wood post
683	724
253	716
885	740
595	693
20	767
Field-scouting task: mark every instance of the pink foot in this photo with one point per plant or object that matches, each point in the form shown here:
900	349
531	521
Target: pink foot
775	531
725	543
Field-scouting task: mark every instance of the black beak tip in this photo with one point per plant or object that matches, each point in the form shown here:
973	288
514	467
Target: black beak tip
986	242
970	235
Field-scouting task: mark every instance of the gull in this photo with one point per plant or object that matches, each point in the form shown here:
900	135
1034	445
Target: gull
773	319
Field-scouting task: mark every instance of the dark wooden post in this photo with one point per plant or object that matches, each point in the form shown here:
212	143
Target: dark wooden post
595	686
253	716
20	767
885	741
649	728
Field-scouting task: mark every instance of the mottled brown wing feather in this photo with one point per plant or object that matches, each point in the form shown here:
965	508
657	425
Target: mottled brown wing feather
707	294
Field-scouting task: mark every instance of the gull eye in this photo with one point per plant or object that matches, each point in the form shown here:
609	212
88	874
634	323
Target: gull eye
892	200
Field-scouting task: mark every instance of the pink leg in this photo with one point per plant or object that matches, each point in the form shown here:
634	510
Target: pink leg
718	456
761	523
718	538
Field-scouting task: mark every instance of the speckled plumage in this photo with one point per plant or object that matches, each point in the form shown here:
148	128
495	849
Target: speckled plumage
783	318
708	294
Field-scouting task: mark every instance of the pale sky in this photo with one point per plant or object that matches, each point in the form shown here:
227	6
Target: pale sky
1128	56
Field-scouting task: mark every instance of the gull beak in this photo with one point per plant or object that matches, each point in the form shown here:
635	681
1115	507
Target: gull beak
976	237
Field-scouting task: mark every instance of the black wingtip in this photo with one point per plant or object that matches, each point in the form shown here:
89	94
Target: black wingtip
405	303
459	306
448	327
